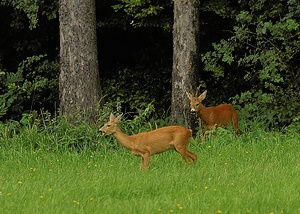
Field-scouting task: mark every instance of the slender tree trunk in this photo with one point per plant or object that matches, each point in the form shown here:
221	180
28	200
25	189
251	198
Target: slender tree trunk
186	58
79	80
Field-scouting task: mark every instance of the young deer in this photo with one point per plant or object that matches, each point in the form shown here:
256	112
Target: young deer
219	116
149	143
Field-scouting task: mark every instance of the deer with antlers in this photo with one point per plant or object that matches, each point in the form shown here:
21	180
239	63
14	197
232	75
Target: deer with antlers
216	116
157	141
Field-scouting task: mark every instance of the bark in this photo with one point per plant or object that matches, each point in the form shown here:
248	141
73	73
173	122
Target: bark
186	57
79	80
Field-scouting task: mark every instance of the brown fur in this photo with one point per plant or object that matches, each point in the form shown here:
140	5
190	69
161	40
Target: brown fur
146	144
220	116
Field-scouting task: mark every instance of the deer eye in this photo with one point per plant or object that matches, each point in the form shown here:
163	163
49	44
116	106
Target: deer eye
108	125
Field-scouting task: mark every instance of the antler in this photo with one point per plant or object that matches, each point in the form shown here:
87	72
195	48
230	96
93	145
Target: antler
197	91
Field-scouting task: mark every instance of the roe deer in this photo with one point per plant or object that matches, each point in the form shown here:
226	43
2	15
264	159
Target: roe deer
149	143
219	116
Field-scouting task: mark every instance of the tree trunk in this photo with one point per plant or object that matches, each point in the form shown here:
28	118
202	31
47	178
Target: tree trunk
186	57
79	81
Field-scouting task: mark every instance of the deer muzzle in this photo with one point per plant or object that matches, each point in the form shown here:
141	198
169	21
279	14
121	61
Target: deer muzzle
101	131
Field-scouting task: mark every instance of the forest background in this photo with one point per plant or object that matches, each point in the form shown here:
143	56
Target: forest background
249	54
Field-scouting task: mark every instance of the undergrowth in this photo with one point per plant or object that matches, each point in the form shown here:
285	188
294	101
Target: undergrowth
49	165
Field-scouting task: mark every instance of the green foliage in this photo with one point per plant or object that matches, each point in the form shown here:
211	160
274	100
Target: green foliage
28	79
56	133
220	7
49	9
27	87
48	134
294	127
145	120
258	60
32	8
132	90
144	13
263	54
29	7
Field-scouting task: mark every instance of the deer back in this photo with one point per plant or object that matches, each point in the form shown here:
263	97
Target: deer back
161	139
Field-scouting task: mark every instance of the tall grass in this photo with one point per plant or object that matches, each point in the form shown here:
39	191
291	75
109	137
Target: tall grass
51	166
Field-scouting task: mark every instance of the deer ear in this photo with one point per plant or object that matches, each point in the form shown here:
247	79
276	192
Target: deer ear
203	95
118	118
111	117
190	96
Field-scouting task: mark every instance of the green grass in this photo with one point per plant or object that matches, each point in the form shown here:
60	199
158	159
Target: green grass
257	172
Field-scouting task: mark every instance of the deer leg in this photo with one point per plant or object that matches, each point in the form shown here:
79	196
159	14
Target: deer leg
235	124
237	130
145	160
184	154
193	156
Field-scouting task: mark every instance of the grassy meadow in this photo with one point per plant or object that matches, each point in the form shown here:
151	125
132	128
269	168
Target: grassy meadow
47	168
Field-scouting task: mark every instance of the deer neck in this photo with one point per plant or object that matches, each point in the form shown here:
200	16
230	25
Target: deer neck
203	112
123	139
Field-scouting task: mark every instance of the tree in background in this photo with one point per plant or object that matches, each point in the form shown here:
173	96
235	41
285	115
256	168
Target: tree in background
186	33
79	81
249	51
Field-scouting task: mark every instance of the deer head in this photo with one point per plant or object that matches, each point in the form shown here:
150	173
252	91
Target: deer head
111	126
195	101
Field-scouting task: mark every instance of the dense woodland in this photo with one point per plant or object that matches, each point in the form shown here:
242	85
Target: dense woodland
249	56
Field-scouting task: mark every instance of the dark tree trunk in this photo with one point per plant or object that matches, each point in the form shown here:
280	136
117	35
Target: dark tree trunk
79	81
186	57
